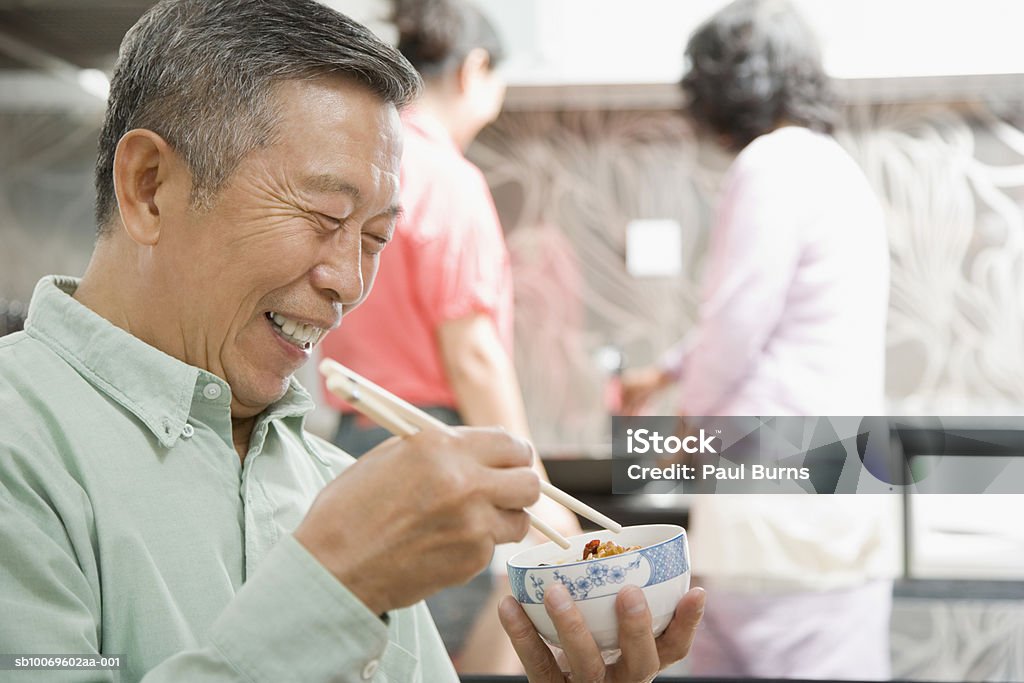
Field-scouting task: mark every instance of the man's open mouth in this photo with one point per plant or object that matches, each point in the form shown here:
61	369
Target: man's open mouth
301	335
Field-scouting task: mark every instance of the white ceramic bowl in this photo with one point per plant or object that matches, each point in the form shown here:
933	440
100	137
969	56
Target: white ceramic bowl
661	568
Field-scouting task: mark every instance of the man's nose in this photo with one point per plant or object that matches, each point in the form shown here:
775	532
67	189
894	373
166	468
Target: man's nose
339	271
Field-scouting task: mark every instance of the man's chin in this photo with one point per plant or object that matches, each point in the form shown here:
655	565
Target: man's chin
251	401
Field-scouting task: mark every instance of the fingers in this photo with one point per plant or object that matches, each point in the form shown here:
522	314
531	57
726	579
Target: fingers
642	656
640	385
584	657
675	642
442	497
634	400
511	488
639	661
538	662
469	464
507	478
495	447
510	526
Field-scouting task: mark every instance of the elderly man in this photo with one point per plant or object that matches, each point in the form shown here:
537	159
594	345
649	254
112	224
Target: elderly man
156	485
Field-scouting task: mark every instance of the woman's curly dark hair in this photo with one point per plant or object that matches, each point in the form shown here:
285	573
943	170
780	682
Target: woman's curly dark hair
753	66
436	35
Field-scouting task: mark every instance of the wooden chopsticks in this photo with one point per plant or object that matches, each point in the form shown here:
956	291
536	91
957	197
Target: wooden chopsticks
403	419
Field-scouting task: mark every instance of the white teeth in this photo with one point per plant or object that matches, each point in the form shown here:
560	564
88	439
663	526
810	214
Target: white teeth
299	333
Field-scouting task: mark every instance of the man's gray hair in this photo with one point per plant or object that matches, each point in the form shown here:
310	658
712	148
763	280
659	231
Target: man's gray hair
200	73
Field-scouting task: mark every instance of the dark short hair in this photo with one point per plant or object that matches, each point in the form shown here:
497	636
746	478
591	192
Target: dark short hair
753	65
436	35
201	74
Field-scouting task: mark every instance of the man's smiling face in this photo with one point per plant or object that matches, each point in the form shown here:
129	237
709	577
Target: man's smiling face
291	242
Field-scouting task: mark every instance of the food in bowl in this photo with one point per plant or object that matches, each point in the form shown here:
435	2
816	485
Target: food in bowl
597	549
654	558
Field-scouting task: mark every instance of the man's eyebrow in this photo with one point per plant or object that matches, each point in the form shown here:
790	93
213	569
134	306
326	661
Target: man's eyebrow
325	182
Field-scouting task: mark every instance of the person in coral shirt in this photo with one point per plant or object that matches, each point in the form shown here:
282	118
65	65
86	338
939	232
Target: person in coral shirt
437	328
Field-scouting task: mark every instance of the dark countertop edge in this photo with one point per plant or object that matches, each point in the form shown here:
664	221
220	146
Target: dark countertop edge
960	589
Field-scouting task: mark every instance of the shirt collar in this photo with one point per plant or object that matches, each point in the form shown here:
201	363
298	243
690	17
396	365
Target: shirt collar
158	389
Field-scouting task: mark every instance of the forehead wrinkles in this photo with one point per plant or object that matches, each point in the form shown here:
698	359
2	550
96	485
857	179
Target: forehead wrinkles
331	99
362	182
353	140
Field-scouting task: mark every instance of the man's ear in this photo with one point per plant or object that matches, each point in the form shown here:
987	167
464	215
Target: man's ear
477	63
143	163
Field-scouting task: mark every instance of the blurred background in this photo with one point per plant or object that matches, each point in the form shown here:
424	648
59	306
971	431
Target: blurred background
590	165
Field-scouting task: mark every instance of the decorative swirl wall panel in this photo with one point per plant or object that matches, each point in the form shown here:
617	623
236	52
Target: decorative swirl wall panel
951	178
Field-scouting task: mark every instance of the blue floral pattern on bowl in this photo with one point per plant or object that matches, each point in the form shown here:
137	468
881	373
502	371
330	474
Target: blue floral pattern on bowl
667	561
593	579
597	576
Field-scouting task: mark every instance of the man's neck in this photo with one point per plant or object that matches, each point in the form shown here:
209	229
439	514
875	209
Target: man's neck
115	290
101	292
241	433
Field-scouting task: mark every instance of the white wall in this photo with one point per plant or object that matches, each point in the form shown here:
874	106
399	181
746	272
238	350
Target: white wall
642	41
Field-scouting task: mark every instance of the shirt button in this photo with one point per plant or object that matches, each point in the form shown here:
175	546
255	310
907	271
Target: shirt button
187	431
212	391
370	669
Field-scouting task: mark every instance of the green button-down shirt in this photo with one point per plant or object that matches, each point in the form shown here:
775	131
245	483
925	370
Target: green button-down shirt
129	526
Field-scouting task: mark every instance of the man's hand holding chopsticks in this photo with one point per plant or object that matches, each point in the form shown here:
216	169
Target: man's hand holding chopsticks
421	513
